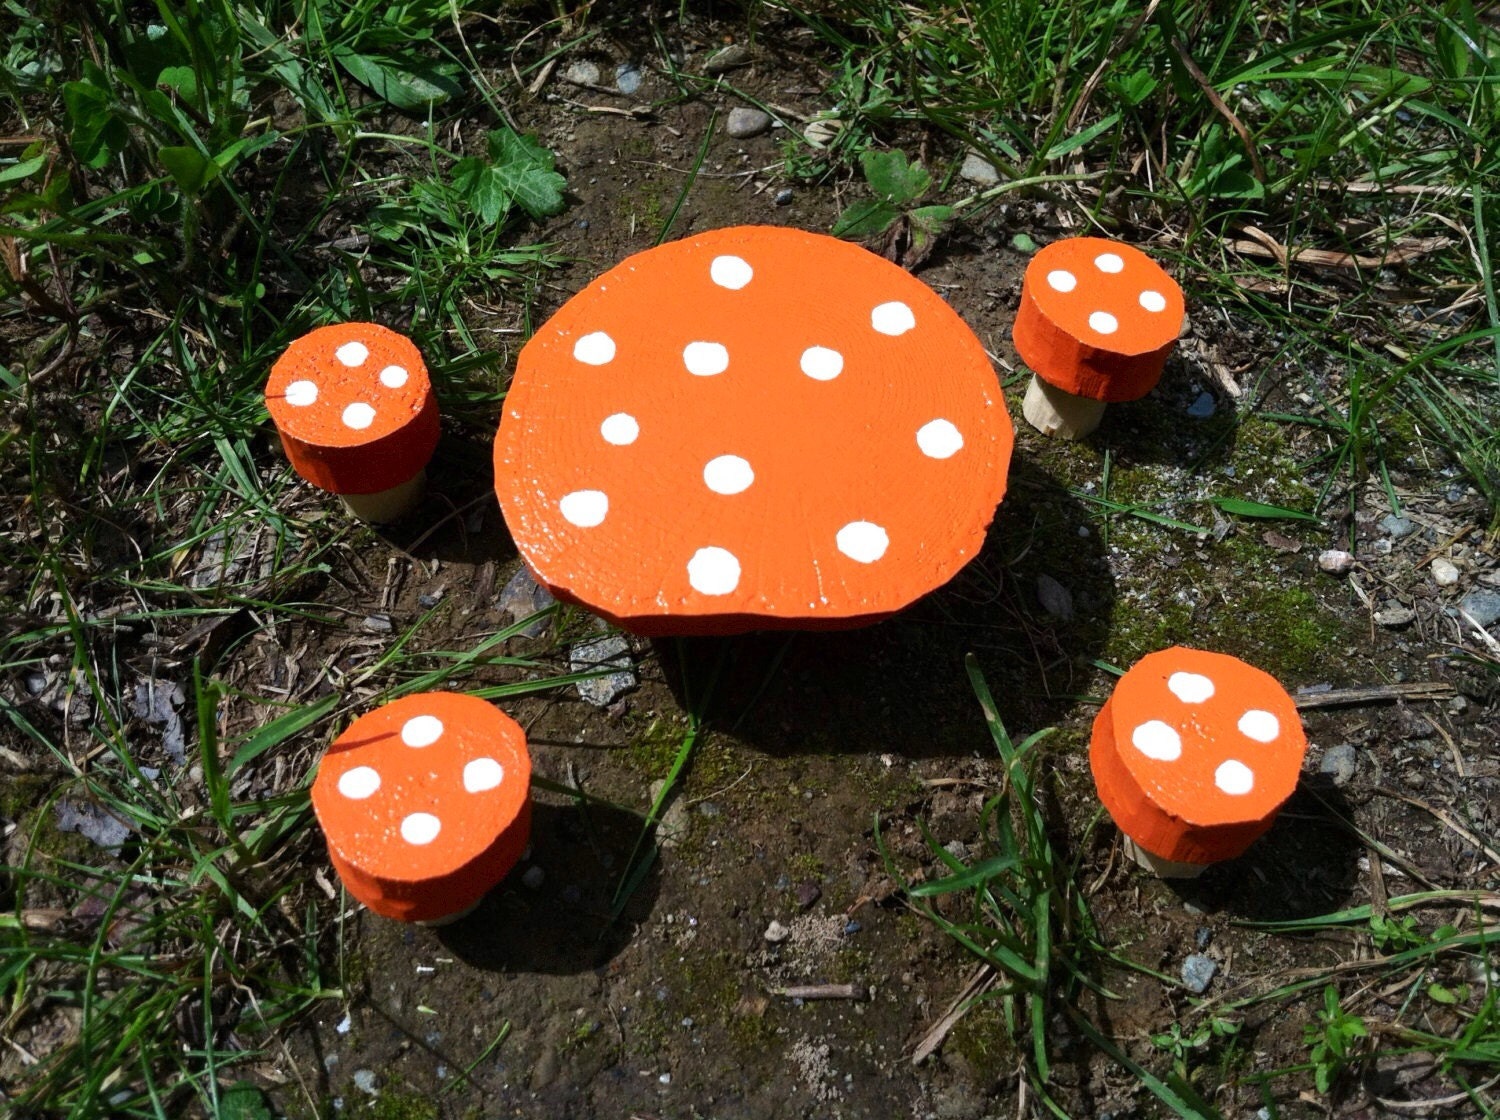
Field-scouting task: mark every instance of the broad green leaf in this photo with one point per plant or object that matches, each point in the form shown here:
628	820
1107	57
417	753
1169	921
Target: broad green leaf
182	79
524	167
96	134
244	1101
1240	507
870	215
407	83
893	178
931	219
18	171
478	183
189	170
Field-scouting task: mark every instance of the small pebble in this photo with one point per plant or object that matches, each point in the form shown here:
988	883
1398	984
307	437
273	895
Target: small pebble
534	878
1198	972
1202	407
612	652
784	196
744	123
1339	763
709	809
378	623
1444	572
665	1079
582	74
627	77
808	892
977	169
1397	527
1335	561
1055	599
852	927
1483	606
344	1025
1454	494
1202	936
1394	617
958	850
776	933
430	599
1382	547
364	1080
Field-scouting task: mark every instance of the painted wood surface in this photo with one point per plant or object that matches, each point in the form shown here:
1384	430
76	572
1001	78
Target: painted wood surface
1194	753
752	428
1097	319
354	408
425	803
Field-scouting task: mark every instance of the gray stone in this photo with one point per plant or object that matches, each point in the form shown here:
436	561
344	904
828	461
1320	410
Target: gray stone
977	169
1483	606
522	597
1397	526
1335	561
808	892
1394	616
364	1081
1202	407
673	825
1339	762
1198	972
534	878
744	123
157	701
611	652
93	822
1056	599
582	74
784	197
1444	572
378	623
628	77
729	58
776	933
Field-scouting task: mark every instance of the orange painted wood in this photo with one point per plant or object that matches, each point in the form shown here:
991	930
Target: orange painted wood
354	407
751	428
1194	753
1098	318
425	803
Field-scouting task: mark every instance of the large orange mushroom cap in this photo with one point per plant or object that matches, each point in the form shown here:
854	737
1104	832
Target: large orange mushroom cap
354	408
425	803
1098	318
1194	753
751	428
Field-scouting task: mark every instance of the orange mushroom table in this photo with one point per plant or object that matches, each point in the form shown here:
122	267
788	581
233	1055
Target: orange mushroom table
747	429
1193	754
1096	324
357	416
425	804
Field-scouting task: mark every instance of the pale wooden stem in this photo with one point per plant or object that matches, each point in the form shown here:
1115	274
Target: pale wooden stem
1054	412
386	506
1163	868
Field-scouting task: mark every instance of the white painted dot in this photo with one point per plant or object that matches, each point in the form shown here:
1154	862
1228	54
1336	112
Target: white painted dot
585	508
301	393
1157	740
1061	280
1153	301
421	731
1234	777
483	774
728	474
620	429
939	439
420	828
393	377
864	541
714	571
1190	688
821	363
1109	262
892	318
359	416
352	354
1261	726
1104	322
359	783
595	349
731	272
705	358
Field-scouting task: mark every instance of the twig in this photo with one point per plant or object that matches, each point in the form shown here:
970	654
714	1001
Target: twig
980	981
1222	109
1375	694
1443	816
823	991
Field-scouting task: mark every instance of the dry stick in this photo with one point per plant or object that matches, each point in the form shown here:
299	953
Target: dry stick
1223	110
1376	694
980	981
823	991
1116	51
1445	817
1439	1102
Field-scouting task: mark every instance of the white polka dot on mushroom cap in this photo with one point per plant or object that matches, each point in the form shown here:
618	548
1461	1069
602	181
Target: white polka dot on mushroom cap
705	359
621	429
1157	740
1109	262
714	571
352	354
1190	688
1061	280
359	783
301	393
1261	726
359	416
864	541
1104	322
420	828
731	272
1153	301
821	363
939	439
595	349
393	377
893	318
421	731
482	774
1234	777
728	474
584	508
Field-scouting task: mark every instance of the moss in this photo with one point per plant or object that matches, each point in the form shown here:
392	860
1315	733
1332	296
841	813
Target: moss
982	1039
395	1101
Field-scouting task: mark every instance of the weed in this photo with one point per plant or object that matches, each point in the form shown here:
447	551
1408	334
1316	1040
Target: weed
1334	1040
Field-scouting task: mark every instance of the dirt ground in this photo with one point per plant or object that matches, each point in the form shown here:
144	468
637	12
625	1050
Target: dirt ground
770	876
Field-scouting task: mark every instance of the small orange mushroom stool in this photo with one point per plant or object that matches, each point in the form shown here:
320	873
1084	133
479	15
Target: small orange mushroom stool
357	416
751	428
425	803
1096	324
1193	754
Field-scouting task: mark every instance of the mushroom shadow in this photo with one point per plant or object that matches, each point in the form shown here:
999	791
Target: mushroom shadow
1033	607
1306	865
1187	421
458	520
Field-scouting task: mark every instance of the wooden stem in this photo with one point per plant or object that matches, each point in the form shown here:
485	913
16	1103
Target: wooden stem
1162	868
386	506
1054	412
